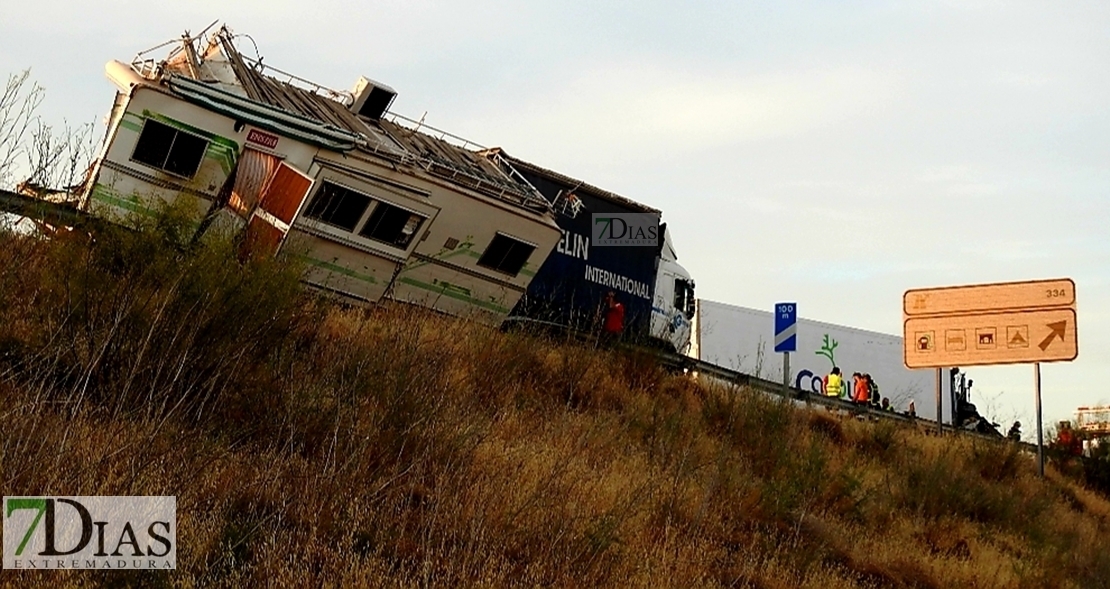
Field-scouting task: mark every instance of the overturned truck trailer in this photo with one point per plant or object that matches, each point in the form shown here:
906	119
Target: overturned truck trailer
569	288
375	209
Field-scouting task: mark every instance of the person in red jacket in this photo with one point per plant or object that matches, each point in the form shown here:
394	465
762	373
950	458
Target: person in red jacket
612	319
1068	440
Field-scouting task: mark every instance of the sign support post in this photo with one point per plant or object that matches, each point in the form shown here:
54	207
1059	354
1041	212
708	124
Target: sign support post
786	369
940	410
786	335
1040	428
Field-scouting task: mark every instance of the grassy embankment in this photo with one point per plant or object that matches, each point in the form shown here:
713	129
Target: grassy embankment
309	445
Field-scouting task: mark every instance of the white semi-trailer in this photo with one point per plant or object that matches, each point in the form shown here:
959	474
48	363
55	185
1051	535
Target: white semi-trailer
742	339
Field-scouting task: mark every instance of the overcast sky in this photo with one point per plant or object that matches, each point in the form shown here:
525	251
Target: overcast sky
829	153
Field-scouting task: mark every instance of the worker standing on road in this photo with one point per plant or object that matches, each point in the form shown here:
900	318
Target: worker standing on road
834	384
862	394
873	392
1015	432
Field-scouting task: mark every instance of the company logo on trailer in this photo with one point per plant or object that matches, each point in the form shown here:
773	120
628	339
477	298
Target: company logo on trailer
90	533
627	229
263	139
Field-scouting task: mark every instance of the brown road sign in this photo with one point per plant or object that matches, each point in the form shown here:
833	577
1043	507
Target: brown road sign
1035	294
1047	335
1008	323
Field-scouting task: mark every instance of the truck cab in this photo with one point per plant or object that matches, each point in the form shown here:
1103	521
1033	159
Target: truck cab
673	307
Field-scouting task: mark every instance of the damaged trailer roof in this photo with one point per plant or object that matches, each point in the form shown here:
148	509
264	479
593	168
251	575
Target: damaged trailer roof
572	184
387	139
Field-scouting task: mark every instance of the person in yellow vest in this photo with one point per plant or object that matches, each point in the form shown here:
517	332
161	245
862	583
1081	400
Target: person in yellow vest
834	383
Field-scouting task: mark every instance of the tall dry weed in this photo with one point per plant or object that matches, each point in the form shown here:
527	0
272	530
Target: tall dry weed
310	444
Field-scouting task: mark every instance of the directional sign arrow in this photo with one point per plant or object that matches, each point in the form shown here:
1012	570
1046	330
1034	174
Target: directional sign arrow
1058	329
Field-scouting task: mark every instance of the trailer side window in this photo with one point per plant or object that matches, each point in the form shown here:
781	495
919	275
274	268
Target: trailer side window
168	149
338	206
506	254
392	225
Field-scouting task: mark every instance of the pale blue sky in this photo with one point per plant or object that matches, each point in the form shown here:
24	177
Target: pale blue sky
831	153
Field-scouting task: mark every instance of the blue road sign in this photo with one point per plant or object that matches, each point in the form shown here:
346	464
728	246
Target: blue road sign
786	327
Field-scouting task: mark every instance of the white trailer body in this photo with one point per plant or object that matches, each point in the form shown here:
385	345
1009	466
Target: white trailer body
742	339
375	210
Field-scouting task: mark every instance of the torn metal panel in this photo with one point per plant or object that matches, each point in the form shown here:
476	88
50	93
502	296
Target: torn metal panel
254	171
501	157
292	99
259	114
463	167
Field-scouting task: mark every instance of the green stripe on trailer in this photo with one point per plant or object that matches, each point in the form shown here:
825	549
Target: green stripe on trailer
131	204
447	290
108	196
135	125
337	269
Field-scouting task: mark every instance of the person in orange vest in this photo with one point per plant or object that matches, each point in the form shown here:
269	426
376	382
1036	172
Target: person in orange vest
862	392
875	398
834	383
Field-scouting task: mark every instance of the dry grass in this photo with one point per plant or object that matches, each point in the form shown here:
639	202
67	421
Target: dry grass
311	445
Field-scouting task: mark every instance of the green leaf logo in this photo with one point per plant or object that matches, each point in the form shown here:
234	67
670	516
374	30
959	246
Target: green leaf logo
828	349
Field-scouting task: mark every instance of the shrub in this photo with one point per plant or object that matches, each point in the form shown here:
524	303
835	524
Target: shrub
826	425
879	440
995	461
758	427
143	320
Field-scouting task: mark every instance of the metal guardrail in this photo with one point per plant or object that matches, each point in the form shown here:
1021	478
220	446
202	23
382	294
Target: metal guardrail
673	360
677	361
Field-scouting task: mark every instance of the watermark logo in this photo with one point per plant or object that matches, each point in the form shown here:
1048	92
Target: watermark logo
90	532
635	229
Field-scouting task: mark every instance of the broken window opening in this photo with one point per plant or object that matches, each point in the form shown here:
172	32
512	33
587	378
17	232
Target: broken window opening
392	225
684	300
168	149
339	206
506	254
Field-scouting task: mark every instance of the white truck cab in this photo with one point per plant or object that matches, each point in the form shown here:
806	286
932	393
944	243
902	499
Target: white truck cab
673	307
